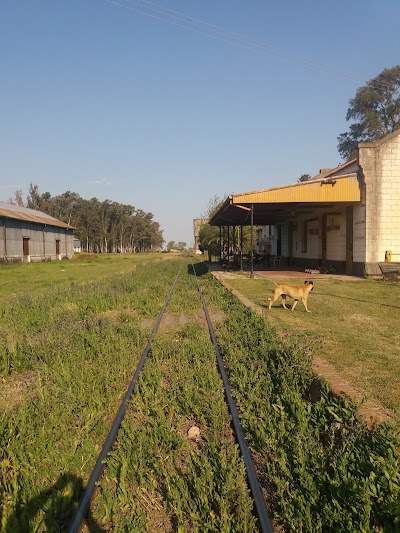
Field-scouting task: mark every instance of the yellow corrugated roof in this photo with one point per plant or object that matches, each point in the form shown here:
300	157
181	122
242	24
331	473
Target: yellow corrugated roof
336	189
274	205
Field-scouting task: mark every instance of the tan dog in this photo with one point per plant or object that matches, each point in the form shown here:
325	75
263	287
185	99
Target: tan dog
295	292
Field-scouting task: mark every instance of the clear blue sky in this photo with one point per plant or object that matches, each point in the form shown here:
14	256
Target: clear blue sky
164	105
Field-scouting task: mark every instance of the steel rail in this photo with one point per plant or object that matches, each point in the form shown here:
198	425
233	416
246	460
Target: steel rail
85	500
262	513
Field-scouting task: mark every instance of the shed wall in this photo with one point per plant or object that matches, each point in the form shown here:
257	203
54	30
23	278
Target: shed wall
42	241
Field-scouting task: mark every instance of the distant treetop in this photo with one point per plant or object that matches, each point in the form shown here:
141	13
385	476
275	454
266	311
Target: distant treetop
375	111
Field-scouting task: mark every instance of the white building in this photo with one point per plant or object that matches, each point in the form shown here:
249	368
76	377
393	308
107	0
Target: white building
347	217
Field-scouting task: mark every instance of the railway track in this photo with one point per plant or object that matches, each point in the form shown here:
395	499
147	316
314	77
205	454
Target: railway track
264	522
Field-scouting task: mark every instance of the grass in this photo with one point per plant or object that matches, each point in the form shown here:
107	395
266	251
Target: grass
354	325
322	469
167	478
67	353
157	477
74	349
30	277
78	361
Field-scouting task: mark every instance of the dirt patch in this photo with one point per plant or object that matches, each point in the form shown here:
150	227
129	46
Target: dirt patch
159	519
114	315
15	389
147	323
171	320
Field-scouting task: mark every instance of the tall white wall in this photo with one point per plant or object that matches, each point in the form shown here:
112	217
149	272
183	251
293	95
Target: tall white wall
336	237
380	163
359	244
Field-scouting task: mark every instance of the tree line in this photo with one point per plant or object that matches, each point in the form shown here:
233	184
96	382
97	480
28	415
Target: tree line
102	227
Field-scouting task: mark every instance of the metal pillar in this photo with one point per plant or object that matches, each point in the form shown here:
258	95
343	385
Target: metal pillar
220	244
252	242
241	247
228	243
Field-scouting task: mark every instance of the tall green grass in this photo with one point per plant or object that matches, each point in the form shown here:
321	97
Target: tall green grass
156	476
75	349
322	467
354	325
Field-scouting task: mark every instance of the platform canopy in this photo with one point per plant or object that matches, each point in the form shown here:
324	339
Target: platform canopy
282	204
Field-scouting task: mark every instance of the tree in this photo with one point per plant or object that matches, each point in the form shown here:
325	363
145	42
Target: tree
375	110
18	199
304	177
209	239
170	245
101	226
209	236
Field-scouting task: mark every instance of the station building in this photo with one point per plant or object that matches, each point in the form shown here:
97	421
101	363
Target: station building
347	217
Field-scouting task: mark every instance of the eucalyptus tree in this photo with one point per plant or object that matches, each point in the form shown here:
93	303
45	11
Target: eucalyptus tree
375	110
209	236
102	226
17	199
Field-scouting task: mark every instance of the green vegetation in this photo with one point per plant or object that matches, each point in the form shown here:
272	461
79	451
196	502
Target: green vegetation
354	325
29	278
375	110
101	226
209	236
67	353
324	470
157	475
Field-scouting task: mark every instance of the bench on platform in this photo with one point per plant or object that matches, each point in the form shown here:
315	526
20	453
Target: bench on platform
390	271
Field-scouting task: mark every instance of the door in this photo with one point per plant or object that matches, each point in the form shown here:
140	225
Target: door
25	245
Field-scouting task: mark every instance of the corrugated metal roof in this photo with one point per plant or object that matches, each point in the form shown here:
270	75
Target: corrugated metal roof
277	204
337	189
30	215
327	172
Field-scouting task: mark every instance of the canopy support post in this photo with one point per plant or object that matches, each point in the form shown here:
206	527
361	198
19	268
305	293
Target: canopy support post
252	242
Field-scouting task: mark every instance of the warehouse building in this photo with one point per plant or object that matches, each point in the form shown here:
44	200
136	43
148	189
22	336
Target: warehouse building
27	235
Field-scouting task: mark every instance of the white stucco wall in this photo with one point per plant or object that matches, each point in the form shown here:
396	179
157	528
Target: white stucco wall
336	237
380	163
359	233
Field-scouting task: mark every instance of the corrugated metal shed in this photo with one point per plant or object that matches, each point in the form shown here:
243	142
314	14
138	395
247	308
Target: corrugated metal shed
30	215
